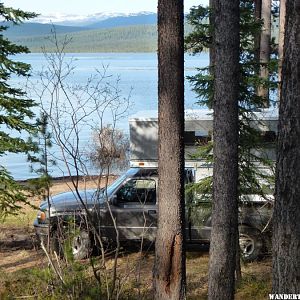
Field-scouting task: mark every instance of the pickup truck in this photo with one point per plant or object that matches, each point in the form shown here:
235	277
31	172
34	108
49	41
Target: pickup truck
132	201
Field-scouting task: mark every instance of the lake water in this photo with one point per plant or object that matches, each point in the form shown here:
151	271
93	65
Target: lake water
137	73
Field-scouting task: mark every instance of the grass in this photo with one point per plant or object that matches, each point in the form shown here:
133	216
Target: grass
256	282
134	280
23	220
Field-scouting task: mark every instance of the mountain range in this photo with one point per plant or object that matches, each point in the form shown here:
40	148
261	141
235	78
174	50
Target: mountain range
92	19
70	23
94	33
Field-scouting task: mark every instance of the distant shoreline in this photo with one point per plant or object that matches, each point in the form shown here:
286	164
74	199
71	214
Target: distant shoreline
64	179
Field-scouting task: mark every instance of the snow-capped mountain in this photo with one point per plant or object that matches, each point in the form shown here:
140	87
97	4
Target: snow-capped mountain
84	20
67	24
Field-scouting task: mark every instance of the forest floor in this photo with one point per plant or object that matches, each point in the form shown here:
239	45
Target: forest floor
25	271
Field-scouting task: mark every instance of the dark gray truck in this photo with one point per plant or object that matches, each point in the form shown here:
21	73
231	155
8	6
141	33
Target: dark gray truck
132	201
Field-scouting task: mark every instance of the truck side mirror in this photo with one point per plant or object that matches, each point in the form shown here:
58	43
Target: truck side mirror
114	200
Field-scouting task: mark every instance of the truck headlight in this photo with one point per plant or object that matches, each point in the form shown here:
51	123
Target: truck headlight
42	216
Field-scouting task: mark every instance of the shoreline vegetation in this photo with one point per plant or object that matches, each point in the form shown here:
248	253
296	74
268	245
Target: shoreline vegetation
64	179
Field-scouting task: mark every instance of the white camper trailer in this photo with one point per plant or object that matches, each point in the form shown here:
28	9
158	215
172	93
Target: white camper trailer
143	128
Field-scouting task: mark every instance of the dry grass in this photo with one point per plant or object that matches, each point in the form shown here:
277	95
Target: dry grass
134	276
197	269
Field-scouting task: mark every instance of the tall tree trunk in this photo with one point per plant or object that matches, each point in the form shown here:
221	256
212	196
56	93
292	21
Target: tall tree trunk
169	269
286	225
265	40
225	173
257	14
212	48
280	41
212	22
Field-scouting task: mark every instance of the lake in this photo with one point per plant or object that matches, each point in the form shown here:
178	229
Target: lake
137	73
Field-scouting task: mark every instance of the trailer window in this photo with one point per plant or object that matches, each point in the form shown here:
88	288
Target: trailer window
196	138
268	136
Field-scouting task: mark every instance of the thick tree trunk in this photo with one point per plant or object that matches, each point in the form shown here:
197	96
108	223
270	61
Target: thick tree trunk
281	41
265	40
169	269
286	225
225	174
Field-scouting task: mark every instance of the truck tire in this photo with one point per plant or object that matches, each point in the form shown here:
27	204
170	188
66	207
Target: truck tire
81	245
78	243
251	243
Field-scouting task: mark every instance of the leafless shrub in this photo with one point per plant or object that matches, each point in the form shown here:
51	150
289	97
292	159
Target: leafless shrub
74	111
109	148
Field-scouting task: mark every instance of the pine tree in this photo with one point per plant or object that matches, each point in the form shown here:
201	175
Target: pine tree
15	110
224	231
41	160
252	179
169	270
286	226
256	171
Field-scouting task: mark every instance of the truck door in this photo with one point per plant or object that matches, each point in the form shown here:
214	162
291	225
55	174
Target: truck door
199	220
135	209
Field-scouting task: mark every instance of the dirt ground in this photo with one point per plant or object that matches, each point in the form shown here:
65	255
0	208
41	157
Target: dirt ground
19	248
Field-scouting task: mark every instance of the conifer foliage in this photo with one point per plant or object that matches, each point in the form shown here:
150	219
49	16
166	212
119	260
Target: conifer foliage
15	110
252	177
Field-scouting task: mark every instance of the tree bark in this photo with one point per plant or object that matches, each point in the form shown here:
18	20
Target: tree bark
225	172
265	40
169	269
282	12
257	14
212	48
286	225
212	22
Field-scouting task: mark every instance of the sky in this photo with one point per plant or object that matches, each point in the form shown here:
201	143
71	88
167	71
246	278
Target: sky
80	7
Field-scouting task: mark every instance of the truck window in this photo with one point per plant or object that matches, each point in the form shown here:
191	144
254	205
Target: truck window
136	191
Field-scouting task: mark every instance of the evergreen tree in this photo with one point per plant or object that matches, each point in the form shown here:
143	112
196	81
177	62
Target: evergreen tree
41	160
224	233
169	271
15	110
286	226
252	177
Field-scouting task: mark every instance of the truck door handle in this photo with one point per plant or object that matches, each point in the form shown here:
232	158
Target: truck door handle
152	212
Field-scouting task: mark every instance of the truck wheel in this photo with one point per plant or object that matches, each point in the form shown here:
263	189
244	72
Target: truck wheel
78	244
81	245
250	243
